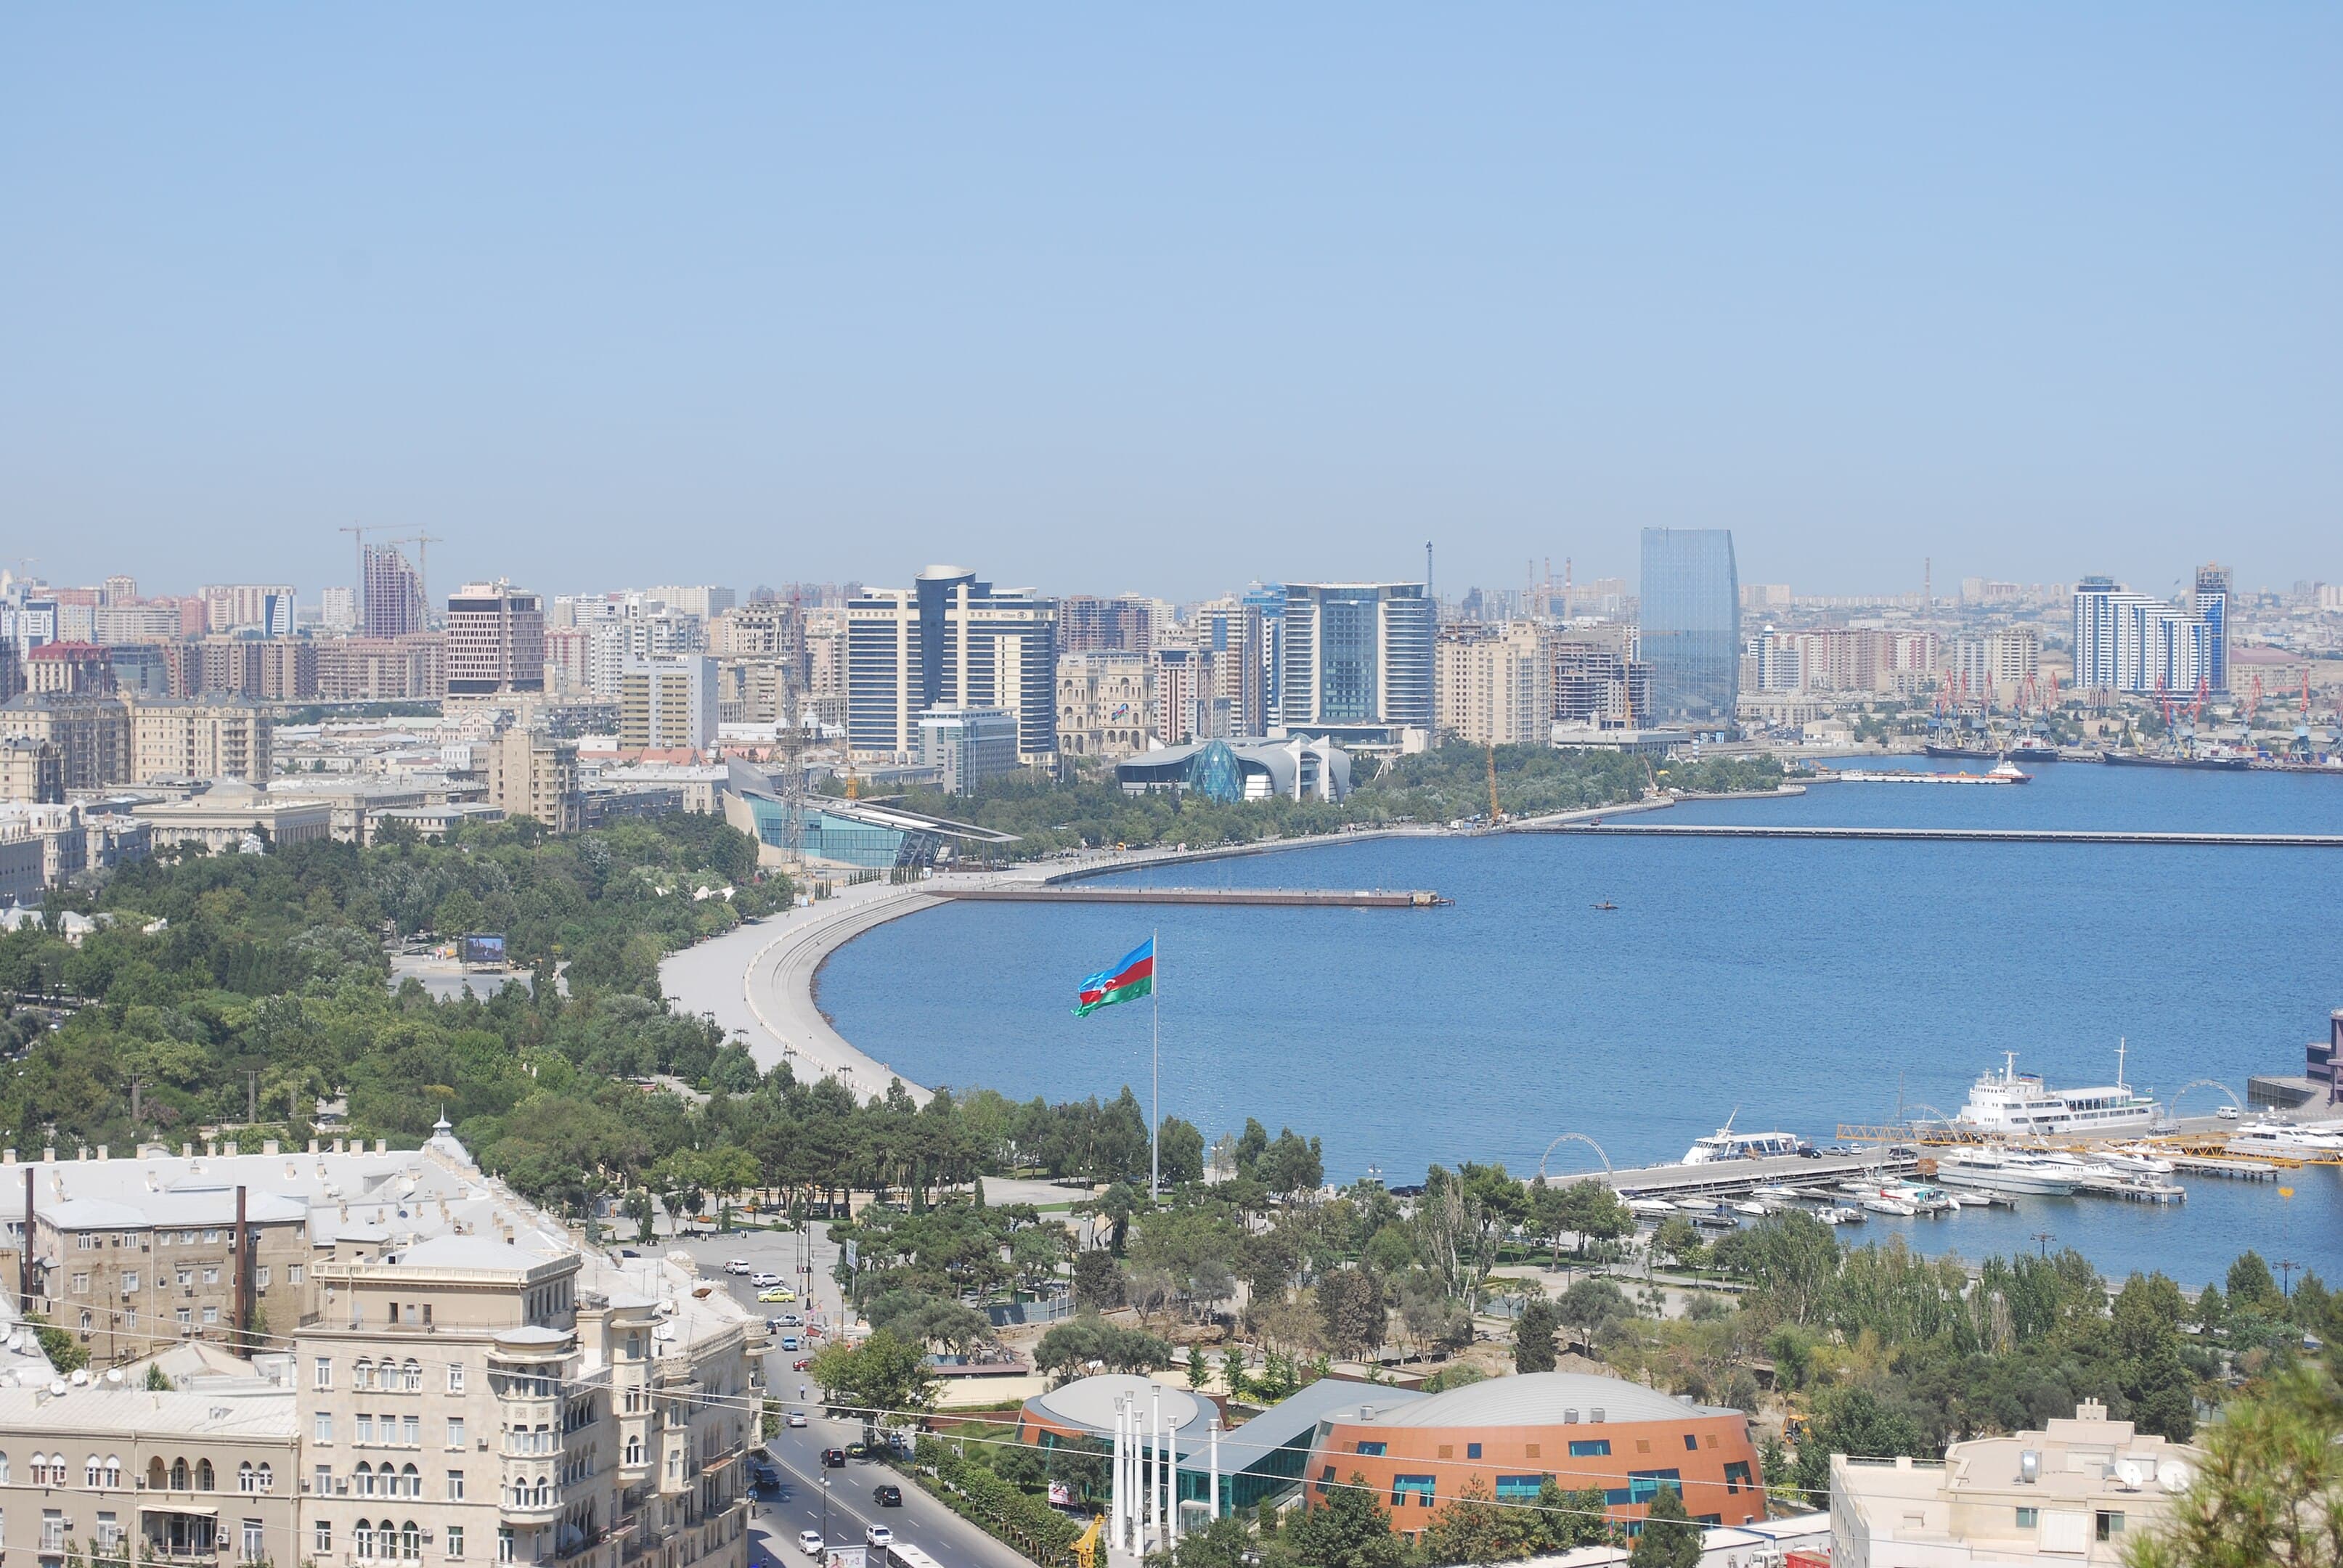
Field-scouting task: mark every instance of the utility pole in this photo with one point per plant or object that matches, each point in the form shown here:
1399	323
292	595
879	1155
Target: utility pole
252	1097
2286	1268
2045	1237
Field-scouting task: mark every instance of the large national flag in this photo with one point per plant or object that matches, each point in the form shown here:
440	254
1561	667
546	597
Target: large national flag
1131	977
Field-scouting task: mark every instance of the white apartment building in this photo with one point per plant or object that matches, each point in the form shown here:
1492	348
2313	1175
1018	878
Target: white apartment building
2127	642
265	607
668	703
2076	1493
1496	682
458	1384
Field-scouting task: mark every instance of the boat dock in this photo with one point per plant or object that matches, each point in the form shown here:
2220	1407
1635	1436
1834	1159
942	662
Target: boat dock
1718	1178
1947	835
2231	1166
1274	898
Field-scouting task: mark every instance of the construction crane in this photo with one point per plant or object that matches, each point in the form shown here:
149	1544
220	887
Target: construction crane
422	543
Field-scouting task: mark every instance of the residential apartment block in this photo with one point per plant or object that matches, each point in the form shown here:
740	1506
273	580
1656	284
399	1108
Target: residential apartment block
533	774
954	641
668	703
1497	682
208	737
496	640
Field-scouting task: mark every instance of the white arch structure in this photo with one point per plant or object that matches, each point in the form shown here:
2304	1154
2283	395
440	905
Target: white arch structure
1574	1138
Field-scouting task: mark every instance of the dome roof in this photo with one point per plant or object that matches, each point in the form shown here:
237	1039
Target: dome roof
1533	1399
1089	1402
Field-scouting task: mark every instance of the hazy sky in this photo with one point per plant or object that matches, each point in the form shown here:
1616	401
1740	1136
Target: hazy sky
1168	298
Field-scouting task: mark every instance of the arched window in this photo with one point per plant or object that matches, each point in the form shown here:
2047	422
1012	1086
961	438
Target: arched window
363	1538
365	1479
413	1480
362	1376
90	1472
155	1479
410	1541
179	1475
203	1475
265	1478
633	1450
413	1371
113	1470
244	1482
3	1470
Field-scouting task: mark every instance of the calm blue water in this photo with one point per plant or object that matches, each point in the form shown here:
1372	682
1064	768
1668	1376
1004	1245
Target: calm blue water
1798	984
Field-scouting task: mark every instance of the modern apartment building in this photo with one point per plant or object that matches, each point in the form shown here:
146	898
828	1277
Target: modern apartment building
90	733
393	594
967	746
263	607
1358	659
432	1374
668	703
2211	603
1191	703
383	668
950	640
1127	623
30	771
1236	633
703	602
1104	703
495	642
1598	680
1497	682
533	774
80	666
1690	623
2135	642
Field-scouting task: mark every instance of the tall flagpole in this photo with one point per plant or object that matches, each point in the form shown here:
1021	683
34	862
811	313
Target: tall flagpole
1155	1133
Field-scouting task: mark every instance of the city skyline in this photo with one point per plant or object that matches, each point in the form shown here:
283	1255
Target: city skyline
1213	298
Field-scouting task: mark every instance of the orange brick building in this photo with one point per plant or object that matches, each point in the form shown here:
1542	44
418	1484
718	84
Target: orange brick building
1510	1433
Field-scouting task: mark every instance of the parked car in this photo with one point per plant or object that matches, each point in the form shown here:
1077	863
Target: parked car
879	1537
809	1543
736	1265
2227	1113
887	1496
763	1278
833	1459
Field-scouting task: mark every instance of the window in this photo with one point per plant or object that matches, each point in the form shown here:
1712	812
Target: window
179	1475
365	1429
411	1431
455	1377
210	1236
454	1536
187	1279
264	1477
362	1538
364	1477
412	1374
2027	1518
455	1486
293	1273
1736	1475
1643	1486
1472	1451
260	1278
113	1470
109	1531
1590	1447
324	1429
321	1538
410	1541
81	1285
245	1481
1519	1488
2111	1524
325	1378
411	1481
1326	1479
1692	1442
53	1530
130	1281
211	1274
1370	1448
455	1431
1420	1487
203	1475
186	1318
362	1374
255	1543
89	1472
321	1482
211	1314
504	1544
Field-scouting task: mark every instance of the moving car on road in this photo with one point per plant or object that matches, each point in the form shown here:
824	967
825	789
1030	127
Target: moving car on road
887	1496
776	1293
764	1278
736	1265
809	1543
879	1537
796	1418
833	1459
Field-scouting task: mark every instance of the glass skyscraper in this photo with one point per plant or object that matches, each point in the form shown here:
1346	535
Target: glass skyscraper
1690	621
1358	658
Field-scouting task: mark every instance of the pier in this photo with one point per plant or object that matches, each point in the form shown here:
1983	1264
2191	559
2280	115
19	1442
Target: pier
1950	835
1719	1178
1276	898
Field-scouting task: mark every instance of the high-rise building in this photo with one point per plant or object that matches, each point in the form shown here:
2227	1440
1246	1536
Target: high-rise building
89	732
1497	682
1235	633
1358	658
393	591
1690	623
1598	680
1105	703
383	668
1269	599
668	703
533	774
1126	623
2135	642
967	746
705	600
2212	605
954	641
1187	705
496	640
264	607
337	610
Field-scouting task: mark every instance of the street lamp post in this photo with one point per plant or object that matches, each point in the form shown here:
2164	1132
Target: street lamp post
825	1512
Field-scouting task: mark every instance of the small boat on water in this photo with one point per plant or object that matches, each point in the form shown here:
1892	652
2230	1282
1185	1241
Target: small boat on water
1699	1205
1651	1208
2137	1160
1883	1204
1835	1214
1777	1194
1752	1207
1606	904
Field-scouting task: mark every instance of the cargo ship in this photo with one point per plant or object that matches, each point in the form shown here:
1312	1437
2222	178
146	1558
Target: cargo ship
2150	759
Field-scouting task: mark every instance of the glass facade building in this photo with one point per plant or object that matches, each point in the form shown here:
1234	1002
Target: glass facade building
1691	624
950	640
1358	656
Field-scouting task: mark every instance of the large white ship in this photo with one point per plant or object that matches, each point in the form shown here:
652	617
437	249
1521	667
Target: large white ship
2020	1104
1726	1144
2004	1170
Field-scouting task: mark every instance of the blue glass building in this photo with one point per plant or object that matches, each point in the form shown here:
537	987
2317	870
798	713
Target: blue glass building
1690	623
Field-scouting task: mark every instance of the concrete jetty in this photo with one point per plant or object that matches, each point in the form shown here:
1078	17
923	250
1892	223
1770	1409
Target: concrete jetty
1947	834
1285	898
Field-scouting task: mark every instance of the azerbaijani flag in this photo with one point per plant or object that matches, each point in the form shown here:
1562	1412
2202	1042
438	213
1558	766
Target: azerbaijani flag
1131	977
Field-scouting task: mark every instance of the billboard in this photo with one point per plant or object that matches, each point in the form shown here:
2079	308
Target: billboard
484	949
844	1556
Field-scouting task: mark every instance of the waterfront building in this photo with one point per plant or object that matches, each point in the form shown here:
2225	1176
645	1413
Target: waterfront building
1234	632
1292	767
393	593
1105	703
1597	678
1358	663
967	746
1189	701
1690	622
496	640
953	640
1269	600
1496	682
668	703
2211	603
854	835
2135	642
2079	1491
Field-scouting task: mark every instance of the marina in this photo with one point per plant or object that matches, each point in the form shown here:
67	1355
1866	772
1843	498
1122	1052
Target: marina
1268	898
1938	835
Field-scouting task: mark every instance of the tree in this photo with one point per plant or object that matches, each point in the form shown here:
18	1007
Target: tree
1350	1303
1181	1149
2252	1287
1678	1242
1072	1348
1669	1538
2270	1491
1098	1280
1533	1333
1347	1529
1590	1305
1475	1528
882	1374
1855	1420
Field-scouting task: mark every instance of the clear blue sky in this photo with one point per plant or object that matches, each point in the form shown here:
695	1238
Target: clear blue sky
1108	297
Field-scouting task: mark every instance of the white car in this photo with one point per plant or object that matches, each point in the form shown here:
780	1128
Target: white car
796	1419
736	1265
879	1537
763	1279
2227	1113
809	1543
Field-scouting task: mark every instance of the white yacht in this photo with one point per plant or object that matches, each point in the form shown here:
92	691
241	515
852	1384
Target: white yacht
2020	1104
2288	1141
2004	1170
2136	1160
1726	1144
